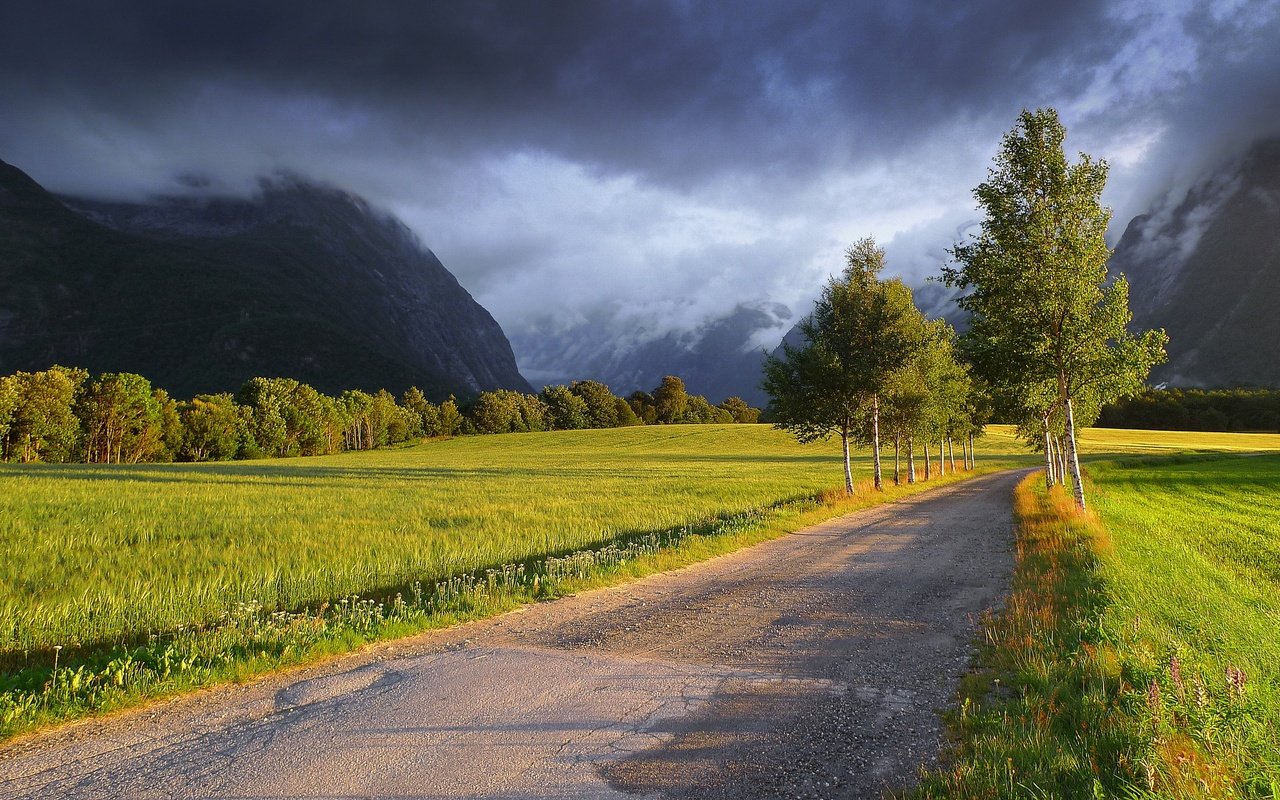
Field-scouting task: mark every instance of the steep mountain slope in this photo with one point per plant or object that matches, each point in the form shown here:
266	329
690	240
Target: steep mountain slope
1206	267
719	359
201	293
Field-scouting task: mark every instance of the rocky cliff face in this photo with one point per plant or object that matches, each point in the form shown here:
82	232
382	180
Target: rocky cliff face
1205	266
201	293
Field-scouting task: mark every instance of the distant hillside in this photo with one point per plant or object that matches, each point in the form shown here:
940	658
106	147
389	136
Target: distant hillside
1206	267
718	359
200	294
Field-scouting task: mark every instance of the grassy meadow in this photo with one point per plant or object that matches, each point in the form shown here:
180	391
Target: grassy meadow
91	553
94	553
136	581
142	580
1139	654
1194	582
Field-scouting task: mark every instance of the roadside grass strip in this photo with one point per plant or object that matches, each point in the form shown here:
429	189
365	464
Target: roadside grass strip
1138	654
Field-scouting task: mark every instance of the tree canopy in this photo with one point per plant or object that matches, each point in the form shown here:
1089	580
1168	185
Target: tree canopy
859	332
1047	327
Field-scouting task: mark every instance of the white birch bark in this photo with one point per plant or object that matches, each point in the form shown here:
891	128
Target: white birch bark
1073	458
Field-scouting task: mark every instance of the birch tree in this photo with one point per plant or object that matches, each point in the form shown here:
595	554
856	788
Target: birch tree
1035	281
854	340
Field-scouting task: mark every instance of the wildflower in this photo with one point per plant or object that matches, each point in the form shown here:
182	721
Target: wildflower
1235	680
1202	695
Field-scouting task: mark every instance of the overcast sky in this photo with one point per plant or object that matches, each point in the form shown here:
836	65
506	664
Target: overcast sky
669	160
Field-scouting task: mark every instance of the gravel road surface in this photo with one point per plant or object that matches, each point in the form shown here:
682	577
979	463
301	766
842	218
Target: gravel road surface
809	666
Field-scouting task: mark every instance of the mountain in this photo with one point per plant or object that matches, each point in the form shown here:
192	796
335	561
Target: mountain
1205	266
720	358
201	293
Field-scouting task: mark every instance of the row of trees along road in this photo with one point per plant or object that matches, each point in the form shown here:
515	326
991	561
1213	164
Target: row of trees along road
872	367
1048	331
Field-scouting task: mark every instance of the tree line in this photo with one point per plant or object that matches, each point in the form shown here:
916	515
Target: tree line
874	371
63	414
1219	410
1048	327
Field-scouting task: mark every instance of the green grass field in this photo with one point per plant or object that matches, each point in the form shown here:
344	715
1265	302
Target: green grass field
1139	654
1103	443
140	581
91	553
130	570
1194	581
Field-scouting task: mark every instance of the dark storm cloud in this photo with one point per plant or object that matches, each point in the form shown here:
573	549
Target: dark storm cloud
675	91
674	159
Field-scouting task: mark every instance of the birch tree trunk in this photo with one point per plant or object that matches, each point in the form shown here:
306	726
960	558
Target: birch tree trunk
951	453
973	458
1060	451
942	459
1049	472
928	467
911	459
897	468
1073	457
848	470
875	442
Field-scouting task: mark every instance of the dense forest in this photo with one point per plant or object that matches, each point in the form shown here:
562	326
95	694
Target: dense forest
1196	410
63	414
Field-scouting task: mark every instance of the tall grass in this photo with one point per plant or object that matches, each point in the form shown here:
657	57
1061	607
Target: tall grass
766	481
1195	587
164	576
92	554
1139	653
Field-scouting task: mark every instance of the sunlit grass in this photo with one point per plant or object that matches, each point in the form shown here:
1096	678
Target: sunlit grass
156	578
1101	442
92	553
1194	580
1139	655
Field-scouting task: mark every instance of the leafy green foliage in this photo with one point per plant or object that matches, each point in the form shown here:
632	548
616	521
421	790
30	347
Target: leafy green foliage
699	411
861	330
505	411
643	407
1047	328
42	424
739	411
601	405
930	397
625	414
566	410
670	401
1196	410
215	428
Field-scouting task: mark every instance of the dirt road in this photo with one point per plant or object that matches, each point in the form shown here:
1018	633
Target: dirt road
809	666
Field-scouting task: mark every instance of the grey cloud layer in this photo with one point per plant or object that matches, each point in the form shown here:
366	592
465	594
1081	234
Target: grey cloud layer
673	91
678	158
